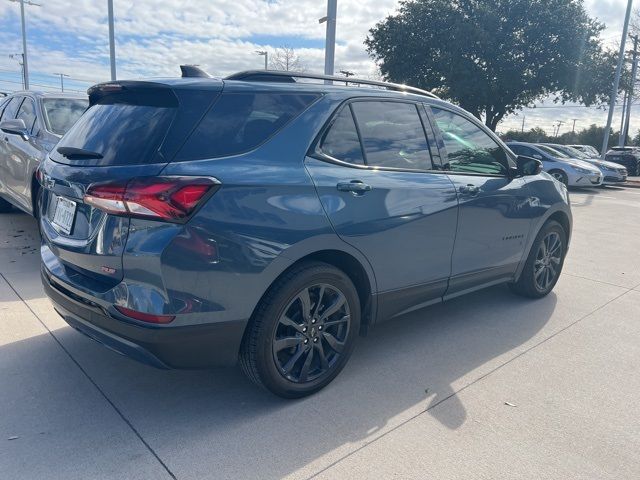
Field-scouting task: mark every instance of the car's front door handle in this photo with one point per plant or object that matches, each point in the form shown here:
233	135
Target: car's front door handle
469	190
354	186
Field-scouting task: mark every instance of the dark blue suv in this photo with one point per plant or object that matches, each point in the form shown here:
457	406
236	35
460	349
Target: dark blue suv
268	220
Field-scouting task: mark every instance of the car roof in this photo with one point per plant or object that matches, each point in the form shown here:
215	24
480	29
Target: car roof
41	94
232	85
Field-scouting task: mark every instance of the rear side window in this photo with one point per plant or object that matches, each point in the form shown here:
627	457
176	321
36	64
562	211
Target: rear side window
393	135
27	113
341	140
62	113
240	122
121	133
469	148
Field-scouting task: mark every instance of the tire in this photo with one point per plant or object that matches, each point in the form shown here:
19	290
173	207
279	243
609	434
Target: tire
278	320
5	207
560	176
531	283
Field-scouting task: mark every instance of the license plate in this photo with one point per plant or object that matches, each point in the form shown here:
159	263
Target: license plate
64	215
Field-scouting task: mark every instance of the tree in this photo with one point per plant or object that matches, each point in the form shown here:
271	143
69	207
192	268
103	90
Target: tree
286	58
493	58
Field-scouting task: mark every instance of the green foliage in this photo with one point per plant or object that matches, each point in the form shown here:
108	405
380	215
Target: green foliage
594	135
493	58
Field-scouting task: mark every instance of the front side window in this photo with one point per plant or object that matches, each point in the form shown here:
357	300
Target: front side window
392	135
469	148
341	140
10	109
27	113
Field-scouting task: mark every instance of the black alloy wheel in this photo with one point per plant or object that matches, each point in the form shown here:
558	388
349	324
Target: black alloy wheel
311	333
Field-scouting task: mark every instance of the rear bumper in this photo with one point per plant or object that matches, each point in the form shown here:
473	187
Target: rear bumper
196	346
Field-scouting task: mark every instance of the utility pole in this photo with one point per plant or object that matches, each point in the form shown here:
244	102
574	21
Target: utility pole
523	119
62	75
25	61
624	109
264	54
573	130
21	63
616	81
112	40
634	70
560	123
330	44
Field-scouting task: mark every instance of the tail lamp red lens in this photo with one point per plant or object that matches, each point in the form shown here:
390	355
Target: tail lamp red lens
165	198
145	317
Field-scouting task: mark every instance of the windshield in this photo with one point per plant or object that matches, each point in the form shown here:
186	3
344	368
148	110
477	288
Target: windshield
552	151
574	152
62	113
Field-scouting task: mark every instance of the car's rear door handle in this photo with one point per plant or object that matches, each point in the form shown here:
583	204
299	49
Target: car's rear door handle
354	186
469	190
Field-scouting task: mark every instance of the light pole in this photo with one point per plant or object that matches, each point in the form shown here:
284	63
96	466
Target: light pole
25	62
62	75
265	54
616	81
330	45
112	40
21	62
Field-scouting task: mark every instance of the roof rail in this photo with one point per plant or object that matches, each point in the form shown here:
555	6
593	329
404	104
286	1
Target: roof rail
290	77
193	71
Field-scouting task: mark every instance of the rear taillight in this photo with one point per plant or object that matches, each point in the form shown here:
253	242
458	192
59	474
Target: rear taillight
167	198
145	317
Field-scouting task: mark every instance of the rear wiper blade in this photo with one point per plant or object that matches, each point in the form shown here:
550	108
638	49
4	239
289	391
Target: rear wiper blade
73	153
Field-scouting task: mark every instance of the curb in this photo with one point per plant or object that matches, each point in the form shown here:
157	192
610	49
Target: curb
631	183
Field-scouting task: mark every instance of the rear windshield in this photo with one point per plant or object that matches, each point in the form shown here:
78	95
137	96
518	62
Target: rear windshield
62	113
240	122
121	133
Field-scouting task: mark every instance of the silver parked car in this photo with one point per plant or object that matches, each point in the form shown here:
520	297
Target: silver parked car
614	173
587	149
570	171
31	123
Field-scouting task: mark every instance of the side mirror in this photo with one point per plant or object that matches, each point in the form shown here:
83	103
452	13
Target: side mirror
528	166
15	127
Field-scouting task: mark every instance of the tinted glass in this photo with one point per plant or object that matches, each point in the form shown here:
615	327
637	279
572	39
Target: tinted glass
341	141
469	148
3	104
523	150
240	122
27	113
11	109
123	134
552	151
393	135
62	113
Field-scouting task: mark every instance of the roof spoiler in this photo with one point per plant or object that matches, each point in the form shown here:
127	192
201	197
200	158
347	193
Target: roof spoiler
193	71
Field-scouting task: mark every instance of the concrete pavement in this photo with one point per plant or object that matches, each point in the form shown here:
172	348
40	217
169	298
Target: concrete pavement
485	386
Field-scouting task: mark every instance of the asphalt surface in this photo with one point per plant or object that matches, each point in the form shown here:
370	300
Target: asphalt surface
485	386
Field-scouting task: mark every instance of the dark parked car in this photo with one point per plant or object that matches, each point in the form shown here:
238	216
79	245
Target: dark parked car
627	156
31	123
195	222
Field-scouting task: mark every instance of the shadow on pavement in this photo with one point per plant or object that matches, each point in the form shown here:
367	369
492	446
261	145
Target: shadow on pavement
206	424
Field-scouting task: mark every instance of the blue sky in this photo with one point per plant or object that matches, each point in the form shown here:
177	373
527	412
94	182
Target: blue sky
154	37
